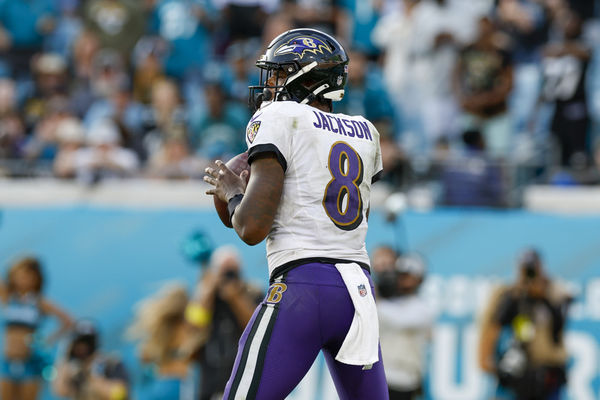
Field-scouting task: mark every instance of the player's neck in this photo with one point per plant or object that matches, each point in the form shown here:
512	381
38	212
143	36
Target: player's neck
321	106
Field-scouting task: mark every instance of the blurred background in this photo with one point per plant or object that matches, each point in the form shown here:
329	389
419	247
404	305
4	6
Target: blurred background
489	116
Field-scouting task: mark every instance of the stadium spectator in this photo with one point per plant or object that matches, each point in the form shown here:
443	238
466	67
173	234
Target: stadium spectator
405	322
148	68
420	43
323	15
395	161
24	307
70	134
482	84
51	80
118	23
12	139
160	327
216	133
12	127
85	49
276	23
105	81
365	91
243	19
584	8
395	35
527	24
522	334
220	308
8	96
84	373
23	27
357	19
131	116
166	113
104	157
442	27
42	144
565	66
69	26
238	75
594	176
107	74
174	160
186	26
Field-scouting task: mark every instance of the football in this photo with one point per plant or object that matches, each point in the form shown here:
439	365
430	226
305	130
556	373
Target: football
237	164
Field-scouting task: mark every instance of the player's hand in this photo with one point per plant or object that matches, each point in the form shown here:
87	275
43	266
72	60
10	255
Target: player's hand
226	183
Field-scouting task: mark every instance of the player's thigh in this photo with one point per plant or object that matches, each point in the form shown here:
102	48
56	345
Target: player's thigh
278	346
352	382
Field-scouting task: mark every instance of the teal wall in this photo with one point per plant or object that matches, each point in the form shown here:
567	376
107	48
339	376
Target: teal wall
100	261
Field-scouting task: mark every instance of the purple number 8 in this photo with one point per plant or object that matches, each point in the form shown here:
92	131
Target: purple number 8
342	200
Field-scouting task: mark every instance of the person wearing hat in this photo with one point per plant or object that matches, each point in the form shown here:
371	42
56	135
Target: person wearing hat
84	373
405	323
522	334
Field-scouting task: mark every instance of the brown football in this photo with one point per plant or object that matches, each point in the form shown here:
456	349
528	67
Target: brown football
237	164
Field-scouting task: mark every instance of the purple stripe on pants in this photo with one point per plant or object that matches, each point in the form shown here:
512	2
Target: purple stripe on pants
311	311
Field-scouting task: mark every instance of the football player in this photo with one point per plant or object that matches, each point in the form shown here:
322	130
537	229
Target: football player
308	194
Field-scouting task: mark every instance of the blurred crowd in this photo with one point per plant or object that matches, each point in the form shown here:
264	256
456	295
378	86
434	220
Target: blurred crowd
474	96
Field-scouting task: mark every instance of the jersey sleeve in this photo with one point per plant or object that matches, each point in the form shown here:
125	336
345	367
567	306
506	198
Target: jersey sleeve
268	132
378	167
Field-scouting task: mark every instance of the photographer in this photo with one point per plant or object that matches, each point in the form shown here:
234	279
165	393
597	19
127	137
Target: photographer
521	339
85	374
405	321
220	309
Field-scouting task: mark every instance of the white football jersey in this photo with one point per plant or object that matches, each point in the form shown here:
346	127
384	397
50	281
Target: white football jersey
330	161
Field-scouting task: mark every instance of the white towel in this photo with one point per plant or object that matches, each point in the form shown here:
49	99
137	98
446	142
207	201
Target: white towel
361	345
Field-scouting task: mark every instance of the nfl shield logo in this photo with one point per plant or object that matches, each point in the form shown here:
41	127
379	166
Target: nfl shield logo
362	290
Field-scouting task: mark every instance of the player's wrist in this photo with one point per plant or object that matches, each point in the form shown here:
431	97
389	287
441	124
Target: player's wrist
231	194
233	202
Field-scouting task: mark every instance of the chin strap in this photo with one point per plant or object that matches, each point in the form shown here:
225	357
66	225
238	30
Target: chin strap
314	94
301	72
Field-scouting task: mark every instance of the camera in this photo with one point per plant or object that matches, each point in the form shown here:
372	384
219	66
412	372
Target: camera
529	263
403	278
387	286
531	270
231	275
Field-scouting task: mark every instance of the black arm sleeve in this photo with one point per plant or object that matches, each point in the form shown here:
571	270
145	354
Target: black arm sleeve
253	153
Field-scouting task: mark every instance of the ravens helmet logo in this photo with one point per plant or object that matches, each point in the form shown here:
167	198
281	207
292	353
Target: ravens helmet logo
302	44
